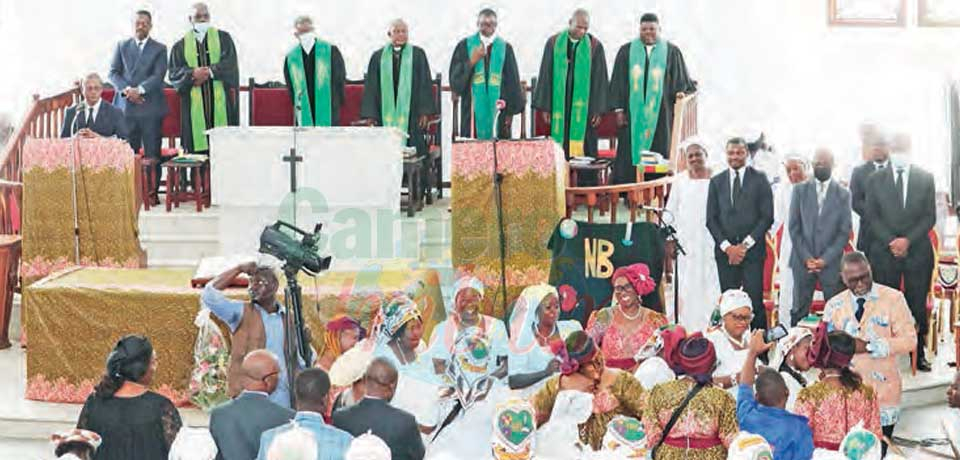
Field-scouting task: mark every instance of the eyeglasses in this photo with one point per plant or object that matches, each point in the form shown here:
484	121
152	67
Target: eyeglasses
265	377
623	288
742	318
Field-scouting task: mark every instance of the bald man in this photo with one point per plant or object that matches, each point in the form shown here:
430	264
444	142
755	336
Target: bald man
374	413
819	227
235	431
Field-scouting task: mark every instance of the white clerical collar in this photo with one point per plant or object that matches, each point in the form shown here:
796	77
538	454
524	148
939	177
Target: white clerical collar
308	46
649	49
488	40
881	164
397	48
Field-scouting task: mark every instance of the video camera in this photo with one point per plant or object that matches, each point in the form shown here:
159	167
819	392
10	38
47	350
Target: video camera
296	255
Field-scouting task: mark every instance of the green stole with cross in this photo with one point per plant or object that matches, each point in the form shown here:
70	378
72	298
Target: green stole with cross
395	110
581	92
198	118
486	91
645	106
321	84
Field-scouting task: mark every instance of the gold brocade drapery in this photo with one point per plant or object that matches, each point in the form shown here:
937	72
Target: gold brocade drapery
106	207
75	317
533	202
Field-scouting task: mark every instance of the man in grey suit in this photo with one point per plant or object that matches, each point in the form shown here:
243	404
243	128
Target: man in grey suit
137	71
236	426
820	223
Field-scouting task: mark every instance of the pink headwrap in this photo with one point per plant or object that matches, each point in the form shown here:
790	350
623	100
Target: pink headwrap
639	277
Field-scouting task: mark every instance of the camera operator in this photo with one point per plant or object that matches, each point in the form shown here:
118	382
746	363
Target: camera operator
255	324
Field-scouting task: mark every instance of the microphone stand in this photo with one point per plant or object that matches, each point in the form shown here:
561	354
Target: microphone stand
498	190
670	234
73	178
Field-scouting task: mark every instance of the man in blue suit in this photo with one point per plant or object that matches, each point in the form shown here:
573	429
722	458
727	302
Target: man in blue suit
96	118
311	388
137	71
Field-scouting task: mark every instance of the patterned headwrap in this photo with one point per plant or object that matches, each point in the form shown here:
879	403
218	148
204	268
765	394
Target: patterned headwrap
523	319
749	446
785	346
860	444
514	430
625	438
639	277
331	336
695	357
822	355
579	349
466	282
399	310
75	435
665	339
368	446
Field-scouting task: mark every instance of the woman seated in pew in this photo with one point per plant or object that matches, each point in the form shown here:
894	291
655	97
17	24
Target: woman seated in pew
623	328
533	325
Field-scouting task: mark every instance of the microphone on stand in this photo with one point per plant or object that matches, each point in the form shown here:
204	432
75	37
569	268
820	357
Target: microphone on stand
81	108
501	104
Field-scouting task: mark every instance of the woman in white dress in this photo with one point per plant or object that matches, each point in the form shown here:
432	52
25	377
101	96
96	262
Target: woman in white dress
731	338
790	359
533	326
699	285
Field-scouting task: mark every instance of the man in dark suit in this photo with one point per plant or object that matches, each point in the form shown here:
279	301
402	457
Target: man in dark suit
901	208
97	118
374	413
137	70
819	228
879	159
739	213
236	426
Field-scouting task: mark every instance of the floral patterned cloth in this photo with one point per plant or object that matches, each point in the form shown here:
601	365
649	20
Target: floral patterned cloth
888	326
833	410
624	397
615	342
533	197
711	414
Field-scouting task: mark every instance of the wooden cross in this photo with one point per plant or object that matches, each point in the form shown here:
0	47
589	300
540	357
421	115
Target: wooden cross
293	159
579	105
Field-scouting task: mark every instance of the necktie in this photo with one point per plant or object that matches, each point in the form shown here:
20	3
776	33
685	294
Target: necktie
89	117
900	192
860	302
821	194
736	188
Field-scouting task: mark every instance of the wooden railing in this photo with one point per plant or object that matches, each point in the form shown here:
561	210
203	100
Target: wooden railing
643	193
42	120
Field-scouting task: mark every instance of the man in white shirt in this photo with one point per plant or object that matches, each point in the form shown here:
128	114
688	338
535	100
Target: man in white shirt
796	168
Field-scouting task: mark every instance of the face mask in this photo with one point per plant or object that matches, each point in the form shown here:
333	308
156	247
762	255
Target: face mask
201	27
899	160
308	38
822	173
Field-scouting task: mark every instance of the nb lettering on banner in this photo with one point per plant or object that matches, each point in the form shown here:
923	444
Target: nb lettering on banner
596	258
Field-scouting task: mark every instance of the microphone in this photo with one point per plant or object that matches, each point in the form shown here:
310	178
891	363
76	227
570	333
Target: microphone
501	104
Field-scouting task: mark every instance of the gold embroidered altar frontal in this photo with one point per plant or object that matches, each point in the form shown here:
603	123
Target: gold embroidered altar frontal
106	205
75	317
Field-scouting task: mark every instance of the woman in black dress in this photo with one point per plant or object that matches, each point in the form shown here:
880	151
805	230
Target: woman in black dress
133	421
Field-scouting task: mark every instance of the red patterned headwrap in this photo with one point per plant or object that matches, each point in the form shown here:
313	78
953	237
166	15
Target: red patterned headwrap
822	355
672	336
639	277
695	357
577	350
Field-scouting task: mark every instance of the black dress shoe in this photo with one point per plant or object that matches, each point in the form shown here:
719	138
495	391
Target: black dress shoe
923	365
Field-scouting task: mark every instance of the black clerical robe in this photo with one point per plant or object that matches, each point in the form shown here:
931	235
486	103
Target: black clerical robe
422	101
676	80
338	78
461	82
181	77
543	93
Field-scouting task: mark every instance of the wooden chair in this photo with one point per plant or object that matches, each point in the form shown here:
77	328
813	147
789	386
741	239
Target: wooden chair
433	136
946	282
270	104
149	176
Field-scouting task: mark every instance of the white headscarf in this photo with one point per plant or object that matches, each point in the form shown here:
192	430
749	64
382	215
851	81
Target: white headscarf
293	444
193	444
466	282
749	446
523	319
733	299
787	344
368	446
559	438
350	366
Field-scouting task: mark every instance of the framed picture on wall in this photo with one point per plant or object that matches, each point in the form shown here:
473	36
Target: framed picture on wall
938	13
876	13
